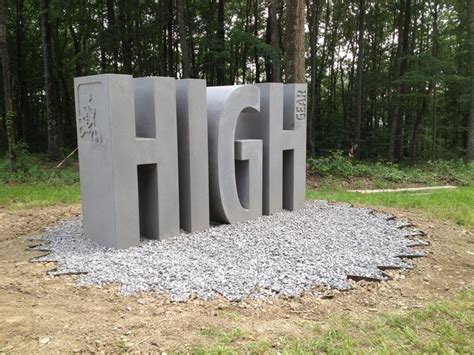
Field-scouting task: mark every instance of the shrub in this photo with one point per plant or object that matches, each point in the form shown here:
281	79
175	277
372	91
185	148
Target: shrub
443	171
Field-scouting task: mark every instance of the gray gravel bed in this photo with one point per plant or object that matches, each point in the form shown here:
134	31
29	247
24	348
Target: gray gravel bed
286	254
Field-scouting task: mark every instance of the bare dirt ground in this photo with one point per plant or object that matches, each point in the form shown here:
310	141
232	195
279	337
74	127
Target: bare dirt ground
42	314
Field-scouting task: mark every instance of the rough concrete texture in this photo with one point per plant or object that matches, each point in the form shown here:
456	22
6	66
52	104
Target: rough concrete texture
286	254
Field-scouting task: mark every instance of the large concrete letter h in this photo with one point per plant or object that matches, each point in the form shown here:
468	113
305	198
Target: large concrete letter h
128	158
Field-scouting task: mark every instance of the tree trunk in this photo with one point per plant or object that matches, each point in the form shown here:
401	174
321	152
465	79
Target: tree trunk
255	33
220	70
52	101
424	104
23	107
395	149
274	41
7	89
469	157
360	77
183	41
102	30
245	45
112	31
169	41
77	51
314	14
125	37
417	124
294	42
435	126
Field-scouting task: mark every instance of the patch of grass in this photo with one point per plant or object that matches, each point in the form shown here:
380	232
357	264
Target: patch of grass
446	327
37	195
233	316
456	205
383	174
225	336
36	183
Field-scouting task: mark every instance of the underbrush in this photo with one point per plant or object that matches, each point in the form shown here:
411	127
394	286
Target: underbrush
38	182
336	165
36	169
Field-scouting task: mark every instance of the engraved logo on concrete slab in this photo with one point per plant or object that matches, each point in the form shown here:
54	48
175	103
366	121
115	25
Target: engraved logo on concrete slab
87	125
301	105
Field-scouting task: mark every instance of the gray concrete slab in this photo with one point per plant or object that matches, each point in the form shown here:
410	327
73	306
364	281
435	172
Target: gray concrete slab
105	112
193	154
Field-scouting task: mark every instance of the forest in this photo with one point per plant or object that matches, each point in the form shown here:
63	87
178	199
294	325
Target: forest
388	80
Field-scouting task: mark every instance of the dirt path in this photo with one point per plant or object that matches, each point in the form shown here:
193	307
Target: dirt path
43	314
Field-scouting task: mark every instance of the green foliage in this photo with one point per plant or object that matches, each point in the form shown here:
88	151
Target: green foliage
31	185
339	166
35	169
145	34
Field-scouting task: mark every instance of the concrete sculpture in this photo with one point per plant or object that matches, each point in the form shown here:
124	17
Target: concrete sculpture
157	154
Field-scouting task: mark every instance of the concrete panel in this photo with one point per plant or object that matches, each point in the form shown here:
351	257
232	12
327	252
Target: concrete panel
193	154
225	104
105	124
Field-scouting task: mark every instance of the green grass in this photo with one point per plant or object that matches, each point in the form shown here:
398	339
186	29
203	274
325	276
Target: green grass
37	195
455	205
37	182
441	328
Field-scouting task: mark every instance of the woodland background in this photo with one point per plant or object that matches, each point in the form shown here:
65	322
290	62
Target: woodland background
388	80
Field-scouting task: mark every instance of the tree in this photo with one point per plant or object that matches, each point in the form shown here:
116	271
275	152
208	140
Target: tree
51	84
395	149
273	38
112	33
185	57
314	14
426	92
7	88
294	42
220	68
469	157
125	36
360	77
22	108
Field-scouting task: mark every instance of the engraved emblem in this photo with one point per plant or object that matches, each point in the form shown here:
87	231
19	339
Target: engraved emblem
301	105
87	126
